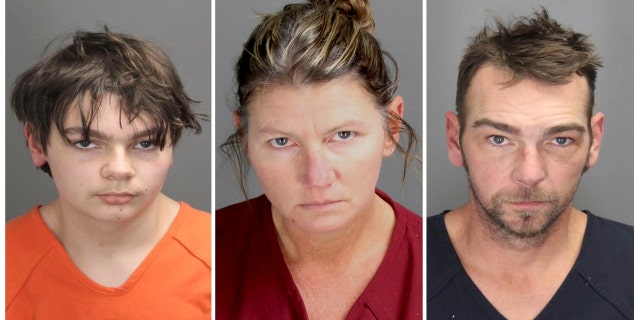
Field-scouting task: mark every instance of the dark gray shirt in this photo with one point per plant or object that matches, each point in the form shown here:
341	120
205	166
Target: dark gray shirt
599	286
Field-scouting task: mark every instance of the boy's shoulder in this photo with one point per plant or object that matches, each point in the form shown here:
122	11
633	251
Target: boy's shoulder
194	233
26	244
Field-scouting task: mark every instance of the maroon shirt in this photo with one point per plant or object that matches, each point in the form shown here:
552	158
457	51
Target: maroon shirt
253	281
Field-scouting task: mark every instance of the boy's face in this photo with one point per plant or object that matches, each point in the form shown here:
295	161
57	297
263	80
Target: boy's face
114	175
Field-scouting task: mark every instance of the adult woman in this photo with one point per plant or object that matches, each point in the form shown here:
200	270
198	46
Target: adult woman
316	116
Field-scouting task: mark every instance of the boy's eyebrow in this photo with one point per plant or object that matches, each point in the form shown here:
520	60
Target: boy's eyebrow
151	132
496	125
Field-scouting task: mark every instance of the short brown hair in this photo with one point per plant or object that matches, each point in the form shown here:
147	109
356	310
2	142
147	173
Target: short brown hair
537	47
96	64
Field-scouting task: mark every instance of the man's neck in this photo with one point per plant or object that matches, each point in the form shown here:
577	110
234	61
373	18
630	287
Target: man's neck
518	280
475	240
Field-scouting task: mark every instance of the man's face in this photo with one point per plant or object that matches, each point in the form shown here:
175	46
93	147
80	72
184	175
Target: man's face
317	150
525	147
115	174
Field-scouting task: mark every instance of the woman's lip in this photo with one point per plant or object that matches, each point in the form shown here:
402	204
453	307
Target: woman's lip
320	205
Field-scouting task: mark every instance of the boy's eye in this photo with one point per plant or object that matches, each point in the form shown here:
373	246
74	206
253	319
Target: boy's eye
85	144
146	145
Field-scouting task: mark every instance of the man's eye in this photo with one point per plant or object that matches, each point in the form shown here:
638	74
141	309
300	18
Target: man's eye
498	140
85	144
279	142
146	145
562	141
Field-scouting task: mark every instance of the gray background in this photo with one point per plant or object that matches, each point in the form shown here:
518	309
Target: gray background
181	28
399	30
606	189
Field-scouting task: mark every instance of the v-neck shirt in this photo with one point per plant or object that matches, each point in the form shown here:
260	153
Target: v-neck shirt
598	286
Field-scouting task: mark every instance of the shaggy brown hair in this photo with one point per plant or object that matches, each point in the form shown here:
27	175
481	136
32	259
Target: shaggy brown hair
94	65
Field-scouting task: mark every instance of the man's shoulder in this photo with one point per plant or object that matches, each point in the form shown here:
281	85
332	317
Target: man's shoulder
606	260
602	235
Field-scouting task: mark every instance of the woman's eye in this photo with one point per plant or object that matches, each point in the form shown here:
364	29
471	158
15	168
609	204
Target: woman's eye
280	142
85	144
345	135
498	140
145	145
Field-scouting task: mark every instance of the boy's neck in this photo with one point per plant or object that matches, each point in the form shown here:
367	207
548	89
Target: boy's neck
109	251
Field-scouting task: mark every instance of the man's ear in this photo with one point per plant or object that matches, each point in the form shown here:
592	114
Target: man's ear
453	139
395	107
597	132
38	156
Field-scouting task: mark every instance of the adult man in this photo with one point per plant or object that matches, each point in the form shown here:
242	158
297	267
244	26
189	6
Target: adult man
525	132
101	117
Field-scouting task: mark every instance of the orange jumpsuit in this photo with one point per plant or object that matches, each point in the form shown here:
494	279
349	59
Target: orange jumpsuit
172	282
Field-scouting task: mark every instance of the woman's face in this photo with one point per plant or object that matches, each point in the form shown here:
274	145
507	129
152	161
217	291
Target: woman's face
317	150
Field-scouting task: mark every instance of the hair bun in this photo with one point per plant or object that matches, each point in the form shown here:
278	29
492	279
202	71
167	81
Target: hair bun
358	10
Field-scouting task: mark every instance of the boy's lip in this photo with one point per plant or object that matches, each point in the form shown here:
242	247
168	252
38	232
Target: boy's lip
116	198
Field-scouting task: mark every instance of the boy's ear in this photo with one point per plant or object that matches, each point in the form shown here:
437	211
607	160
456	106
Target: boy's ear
38	156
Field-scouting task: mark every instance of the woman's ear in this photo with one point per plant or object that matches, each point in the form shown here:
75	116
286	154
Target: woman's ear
38	155
236	119
395	110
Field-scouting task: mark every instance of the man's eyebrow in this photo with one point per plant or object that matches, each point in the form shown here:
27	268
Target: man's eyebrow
564	128
496	125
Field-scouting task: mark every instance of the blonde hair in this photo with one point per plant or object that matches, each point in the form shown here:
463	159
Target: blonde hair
309	43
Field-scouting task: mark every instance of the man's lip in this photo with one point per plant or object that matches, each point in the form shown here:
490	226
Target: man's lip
527	203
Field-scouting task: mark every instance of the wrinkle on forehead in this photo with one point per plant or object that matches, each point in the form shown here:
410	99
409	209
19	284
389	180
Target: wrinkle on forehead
528	98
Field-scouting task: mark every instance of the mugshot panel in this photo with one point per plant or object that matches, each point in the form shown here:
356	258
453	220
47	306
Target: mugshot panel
181	29
398	28
605	189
